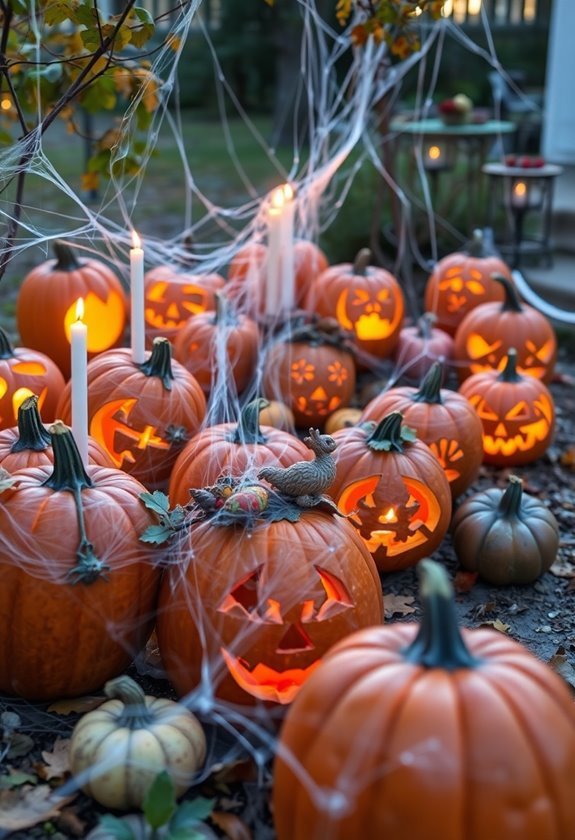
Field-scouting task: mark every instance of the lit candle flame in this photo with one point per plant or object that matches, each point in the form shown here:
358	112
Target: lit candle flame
80	309
278	199
434	152
136	242
288	192
520	189
389	515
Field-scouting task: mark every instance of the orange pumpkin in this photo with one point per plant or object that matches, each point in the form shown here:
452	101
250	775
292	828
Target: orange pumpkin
217	346
261	591
443	419
173	296
486	334
423	731
229	449
312	370
393	489
29	443
461	281
72	561
517	414
46	306
141	414
247	274
419	346
367	302
24	372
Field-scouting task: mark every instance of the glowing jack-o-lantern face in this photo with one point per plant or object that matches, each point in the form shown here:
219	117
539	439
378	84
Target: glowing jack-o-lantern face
104	319
517	414
256	622
491	355
313	380
366	301
171	298
25	373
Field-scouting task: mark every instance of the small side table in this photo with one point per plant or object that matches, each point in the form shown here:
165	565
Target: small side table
522	192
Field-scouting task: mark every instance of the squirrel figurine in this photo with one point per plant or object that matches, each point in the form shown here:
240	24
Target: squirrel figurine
305	481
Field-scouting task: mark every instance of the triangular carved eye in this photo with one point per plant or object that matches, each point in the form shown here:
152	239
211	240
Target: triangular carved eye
361	296
337	597
483	409
243	598
518	412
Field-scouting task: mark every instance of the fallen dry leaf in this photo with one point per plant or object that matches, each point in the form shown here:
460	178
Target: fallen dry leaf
226	773
561	664
464	581
562	569
76	705
233	827
497	625
26	806
57	762
398	605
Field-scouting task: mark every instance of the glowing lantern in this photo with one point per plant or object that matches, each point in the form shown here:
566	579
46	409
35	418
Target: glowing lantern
485	335
24	373
46	306
247	276
367	301
443	419
517	414
261	594
393	489
142	415
172	297
312	372
461	281
219	346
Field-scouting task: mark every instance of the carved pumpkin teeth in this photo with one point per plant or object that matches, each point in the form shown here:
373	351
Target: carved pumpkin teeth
266	683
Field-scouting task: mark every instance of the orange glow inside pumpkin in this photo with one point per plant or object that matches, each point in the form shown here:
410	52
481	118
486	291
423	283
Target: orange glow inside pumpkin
104	319
447	453
486	356
407	522
519	430
111	423
266	683
171	304
365	315
22	394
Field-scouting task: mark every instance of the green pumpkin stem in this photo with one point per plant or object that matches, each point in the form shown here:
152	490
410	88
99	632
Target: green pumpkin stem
32	434
160	362
389	435
476	245
511	302
248	428
510	502
438	643
6	349
361	262
425	324
224	314
430	388
69	474
135	714
509	372
66	259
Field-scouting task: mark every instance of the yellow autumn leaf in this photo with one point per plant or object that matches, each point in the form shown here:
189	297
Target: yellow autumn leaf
174	41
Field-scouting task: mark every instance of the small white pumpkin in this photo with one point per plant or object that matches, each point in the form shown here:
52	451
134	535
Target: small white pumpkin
118	749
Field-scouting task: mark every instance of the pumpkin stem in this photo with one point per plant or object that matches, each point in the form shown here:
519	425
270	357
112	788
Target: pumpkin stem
509	372
248	428
6	349
390	435
160	362
430	388
476	245
66	259
510	502
425	324
361	262
224	314
69	474
511	302
438	643
32	433
135	714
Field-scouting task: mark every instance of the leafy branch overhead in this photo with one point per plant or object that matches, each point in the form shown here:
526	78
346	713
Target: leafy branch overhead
391	21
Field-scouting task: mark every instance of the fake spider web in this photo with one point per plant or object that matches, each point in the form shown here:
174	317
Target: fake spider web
340	121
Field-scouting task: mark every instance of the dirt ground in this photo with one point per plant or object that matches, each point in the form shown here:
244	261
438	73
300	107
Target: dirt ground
540	616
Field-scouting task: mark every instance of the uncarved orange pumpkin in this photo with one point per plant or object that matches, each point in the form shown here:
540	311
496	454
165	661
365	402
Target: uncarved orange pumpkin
422	731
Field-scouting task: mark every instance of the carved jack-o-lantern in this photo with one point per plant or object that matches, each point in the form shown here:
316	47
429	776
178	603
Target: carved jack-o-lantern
461	281
443	419
394	490
46	306
25	373
366	301
517	414
171	298
485	335
254	617
312	373
141	414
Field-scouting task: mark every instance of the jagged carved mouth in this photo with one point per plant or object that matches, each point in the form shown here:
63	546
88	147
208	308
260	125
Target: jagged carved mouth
266	683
